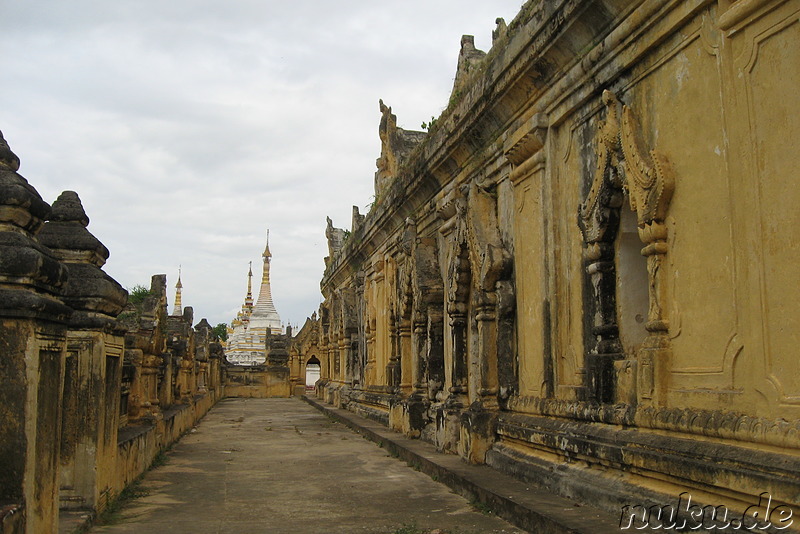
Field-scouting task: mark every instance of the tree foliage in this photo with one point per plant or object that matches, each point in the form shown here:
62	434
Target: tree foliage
221	331
137	294
136	297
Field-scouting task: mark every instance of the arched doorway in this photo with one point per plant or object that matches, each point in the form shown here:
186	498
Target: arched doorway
312	372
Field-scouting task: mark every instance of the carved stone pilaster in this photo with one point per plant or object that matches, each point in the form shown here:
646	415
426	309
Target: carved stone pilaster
485	360
393	370
359	351
342	346
419	343
405	349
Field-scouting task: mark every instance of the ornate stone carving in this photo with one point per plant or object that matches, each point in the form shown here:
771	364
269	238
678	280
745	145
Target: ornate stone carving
500	31
469	59
527	140
335	238
625	165
453	213
489	256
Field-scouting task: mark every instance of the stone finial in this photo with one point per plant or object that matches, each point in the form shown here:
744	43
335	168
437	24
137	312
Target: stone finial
66	234
68	208
96	297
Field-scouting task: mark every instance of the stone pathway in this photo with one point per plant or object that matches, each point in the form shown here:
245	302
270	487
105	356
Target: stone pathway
280	466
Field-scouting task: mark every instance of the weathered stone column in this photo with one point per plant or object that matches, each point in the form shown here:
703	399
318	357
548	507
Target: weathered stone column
485	364
435	352
458	327
393	369
32	341
343	347
377	282
429	297
369	369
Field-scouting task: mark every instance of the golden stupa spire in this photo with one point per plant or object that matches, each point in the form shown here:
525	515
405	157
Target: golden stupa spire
264	313
178	309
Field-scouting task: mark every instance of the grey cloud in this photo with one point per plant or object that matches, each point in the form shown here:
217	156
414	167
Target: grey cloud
189	127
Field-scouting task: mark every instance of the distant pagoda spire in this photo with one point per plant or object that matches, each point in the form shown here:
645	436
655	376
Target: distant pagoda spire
178	309
264	313
247	307
248	300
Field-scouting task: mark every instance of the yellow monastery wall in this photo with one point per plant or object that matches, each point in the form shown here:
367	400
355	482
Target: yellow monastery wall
623	173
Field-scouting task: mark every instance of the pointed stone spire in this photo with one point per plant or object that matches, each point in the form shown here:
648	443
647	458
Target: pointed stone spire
178	309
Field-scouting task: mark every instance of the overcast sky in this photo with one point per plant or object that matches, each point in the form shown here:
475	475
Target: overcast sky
189	127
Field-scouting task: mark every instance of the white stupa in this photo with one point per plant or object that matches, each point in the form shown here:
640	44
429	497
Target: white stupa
247	339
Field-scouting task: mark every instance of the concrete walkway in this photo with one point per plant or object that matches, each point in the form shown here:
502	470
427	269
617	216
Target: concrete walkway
280	466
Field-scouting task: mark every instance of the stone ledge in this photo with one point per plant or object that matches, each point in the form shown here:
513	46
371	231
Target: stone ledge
705	464
518	503
129	433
